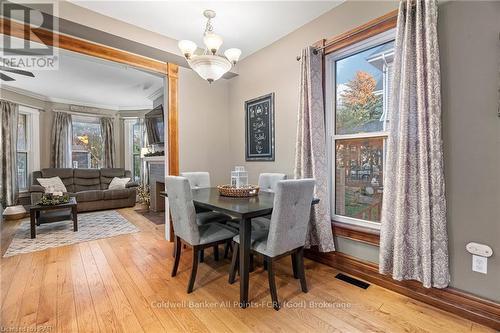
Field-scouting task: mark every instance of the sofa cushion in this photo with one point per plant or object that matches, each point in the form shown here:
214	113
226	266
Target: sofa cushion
118	183
107	175
86	180
66	175
85	196
117	194
53	184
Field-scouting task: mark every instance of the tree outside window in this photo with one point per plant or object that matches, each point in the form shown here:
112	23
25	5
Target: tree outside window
87	142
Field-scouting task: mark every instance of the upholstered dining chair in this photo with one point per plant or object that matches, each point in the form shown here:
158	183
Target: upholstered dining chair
286	234
200	179
197	180
189	227
268	181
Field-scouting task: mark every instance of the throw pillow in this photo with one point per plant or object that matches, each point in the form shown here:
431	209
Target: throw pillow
53	184
118	183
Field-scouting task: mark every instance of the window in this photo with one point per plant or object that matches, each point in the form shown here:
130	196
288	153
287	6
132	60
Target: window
87	142
22	153
134	134
358	100
28	146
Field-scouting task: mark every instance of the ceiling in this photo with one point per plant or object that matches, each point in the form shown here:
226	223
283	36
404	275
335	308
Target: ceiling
248	25
88	81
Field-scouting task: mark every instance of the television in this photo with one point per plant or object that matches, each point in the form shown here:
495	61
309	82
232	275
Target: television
155	129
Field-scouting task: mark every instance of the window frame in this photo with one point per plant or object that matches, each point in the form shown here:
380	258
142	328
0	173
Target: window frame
330	108
32	149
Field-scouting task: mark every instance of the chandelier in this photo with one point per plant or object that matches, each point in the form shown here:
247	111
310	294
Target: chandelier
209	65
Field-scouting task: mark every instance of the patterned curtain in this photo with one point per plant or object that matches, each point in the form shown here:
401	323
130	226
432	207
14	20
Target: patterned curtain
310	159
9	114
61	141
413	237
108	139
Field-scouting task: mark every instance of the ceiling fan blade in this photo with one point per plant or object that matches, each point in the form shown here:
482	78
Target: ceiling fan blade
16	71
4	77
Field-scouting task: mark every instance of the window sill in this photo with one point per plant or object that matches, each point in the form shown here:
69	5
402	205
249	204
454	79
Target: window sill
357	233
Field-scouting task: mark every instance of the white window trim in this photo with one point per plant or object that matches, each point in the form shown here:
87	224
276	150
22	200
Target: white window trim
32	141
330	84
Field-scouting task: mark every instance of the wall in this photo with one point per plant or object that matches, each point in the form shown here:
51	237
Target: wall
470	55
468	34
203	126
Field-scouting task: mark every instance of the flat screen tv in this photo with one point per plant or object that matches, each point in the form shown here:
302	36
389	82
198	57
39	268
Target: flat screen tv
155	130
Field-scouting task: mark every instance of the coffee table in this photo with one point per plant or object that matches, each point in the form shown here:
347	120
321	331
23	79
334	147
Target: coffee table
40	214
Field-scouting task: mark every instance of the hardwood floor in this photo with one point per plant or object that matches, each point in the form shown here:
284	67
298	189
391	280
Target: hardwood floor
123	284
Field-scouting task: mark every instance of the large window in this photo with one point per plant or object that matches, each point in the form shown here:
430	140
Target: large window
22	152
87	142
358	100
28	146
134	134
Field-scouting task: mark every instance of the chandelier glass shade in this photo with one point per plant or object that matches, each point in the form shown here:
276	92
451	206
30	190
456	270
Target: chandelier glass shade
209	65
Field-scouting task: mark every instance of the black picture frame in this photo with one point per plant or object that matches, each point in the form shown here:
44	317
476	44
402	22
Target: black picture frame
259	129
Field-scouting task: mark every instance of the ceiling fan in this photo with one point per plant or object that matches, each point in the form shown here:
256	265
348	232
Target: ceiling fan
5	77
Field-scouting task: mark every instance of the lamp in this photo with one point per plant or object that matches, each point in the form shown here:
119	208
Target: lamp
210	66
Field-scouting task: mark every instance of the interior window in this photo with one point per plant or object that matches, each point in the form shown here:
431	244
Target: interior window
87	142
359	97
22	153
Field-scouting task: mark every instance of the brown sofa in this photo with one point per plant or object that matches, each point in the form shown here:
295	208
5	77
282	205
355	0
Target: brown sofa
89	186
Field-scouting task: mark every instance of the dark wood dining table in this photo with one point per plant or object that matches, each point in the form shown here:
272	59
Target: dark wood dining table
243	209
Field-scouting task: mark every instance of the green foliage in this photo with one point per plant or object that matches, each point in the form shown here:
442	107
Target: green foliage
359	104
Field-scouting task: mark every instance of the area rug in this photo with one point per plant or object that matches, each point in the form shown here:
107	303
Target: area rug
91	226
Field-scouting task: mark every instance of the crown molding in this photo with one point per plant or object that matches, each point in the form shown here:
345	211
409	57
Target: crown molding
44	98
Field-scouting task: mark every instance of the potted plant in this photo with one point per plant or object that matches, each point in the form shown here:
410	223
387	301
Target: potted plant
144	197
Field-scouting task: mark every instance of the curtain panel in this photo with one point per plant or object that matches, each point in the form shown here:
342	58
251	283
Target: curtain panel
108	139
413	237
61	141
8	153
311	159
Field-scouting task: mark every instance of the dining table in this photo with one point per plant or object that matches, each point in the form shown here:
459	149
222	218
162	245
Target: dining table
243	210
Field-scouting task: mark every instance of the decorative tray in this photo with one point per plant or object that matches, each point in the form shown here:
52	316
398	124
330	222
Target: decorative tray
52	200
242	192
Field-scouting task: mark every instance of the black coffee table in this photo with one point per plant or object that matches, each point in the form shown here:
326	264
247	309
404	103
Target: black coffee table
40	214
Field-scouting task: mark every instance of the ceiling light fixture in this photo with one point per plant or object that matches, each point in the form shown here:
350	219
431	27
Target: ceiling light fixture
209	65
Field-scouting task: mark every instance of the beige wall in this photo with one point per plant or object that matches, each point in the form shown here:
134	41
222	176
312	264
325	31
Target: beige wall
203	126
470	55
469	35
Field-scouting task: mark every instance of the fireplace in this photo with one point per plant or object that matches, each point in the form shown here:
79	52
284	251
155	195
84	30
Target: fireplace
155	167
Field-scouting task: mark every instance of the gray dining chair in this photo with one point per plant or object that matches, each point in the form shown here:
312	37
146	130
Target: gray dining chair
286	234
267	183
201	179
189	227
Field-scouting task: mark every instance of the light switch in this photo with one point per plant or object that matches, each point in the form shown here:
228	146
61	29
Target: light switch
480	264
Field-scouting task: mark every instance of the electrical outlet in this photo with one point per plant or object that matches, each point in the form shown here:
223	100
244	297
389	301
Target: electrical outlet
480	264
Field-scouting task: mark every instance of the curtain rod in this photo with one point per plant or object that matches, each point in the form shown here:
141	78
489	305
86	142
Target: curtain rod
390	16
84	114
